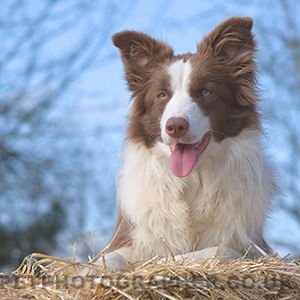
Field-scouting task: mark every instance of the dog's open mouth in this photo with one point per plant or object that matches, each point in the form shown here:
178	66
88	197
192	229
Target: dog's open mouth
184	156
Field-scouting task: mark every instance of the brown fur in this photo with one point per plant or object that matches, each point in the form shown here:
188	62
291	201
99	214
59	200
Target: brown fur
123	236
225	64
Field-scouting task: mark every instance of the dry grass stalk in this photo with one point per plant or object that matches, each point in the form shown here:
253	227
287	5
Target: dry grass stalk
45	277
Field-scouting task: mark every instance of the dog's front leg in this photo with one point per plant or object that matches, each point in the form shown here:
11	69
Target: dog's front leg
114	261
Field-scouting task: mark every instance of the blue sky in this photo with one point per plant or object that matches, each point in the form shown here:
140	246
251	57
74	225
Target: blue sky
100	98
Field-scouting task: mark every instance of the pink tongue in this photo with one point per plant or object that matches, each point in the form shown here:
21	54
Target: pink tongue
183	159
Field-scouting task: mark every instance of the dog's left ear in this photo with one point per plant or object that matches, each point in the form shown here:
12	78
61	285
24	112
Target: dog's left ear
139	53
232	40
232	43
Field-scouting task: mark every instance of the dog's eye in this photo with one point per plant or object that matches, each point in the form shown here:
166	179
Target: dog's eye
162	96
205	92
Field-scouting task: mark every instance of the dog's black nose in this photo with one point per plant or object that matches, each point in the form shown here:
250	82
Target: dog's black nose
177	127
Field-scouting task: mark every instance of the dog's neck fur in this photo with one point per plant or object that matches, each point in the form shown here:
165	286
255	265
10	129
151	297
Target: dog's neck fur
224	199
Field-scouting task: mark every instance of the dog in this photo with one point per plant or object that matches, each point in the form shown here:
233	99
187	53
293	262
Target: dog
195	182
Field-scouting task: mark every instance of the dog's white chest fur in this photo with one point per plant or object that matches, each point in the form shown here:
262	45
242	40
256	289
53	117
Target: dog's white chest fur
224	199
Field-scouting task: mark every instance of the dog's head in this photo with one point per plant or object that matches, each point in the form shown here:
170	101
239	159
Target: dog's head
185	101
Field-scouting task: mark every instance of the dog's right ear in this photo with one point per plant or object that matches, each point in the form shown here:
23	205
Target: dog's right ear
139	53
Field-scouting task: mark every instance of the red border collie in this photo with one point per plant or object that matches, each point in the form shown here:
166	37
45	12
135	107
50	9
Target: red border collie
194	182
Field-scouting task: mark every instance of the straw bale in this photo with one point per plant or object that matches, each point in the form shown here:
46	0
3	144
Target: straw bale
45	277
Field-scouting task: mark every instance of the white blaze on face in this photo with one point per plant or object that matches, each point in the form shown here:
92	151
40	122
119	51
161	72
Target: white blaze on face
181	105
186	149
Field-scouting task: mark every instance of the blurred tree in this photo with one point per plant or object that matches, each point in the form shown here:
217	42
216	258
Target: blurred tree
45	169
280	68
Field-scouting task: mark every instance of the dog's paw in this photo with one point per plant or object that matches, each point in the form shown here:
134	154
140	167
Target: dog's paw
112	261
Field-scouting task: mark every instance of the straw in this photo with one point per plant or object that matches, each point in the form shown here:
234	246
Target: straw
42	276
